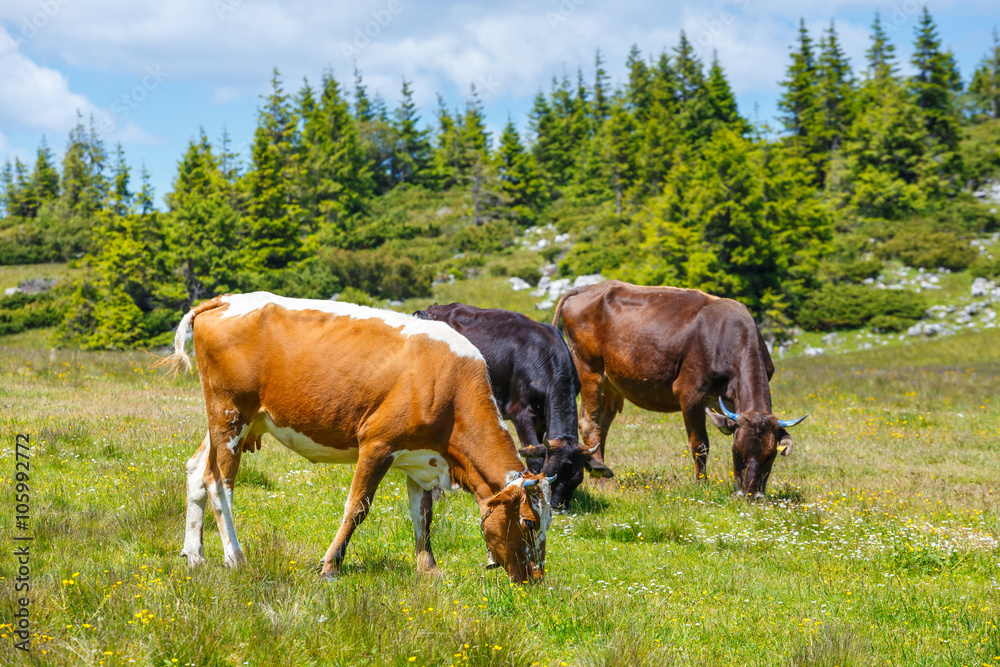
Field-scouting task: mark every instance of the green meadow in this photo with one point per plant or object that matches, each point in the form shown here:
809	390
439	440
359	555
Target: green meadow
878	543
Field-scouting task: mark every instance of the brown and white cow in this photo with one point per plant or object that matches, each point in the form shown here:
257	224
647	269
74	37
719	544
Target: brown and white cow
341	383
668	350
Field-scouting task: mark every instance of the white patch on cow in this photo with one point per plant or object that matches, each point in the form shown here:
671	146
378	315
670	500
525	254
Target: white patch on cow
197	494
222	503
235	441
500	420
242	304
305	447
543	509
417	464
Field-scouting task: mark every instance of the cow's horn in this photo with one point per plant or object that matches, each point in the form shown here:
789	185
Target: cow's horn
785	423
528	483
550	479
593	450
732	415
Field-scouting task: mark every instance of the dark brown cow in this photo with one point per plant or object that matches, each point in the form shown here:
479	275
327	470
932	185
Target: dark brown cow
340	383
675	350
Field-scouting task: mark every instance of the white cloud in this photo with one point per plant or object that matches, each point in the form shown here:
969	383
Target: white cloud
35	97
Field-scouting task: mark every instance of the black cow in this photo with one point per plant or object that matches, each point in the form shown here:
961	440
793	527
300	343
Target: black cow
535	384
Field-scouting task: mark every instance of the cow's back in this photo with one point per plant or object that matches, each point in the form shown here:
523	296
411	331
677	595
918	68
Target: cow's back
643	338
339	378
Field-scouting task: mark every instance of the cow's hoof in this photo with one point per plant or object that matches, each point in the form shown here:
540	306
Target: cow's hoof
430	572
235	561
194	560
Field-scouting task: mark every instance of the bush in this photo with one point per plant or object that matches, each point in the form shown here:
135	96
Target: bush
986	266
19	312
853	306
852	272
376	273
929	250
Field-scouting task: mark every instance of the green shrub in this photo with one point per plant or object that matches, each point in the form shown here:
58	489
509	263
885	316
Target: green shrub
852	272
20	312
986	266
853	306
929	250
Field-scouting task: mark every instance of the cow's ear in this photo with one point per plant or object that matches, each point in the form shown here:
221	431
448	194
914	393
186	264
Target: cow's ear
722	422
785	446
534	452
597	468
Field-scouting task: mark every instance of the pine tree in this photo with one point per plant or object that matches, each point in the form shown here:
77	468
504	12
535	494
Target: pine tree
522	190
601	89
721	100
881	55
45	177
145	198
798	102
637	91
935	85
120	202
336	182
447	155
274	218
412	152
619	151
474	142
834	94
207	235
985	85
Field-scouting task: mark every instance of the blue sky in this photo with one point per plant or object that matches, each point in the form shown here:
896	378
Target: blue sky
152	74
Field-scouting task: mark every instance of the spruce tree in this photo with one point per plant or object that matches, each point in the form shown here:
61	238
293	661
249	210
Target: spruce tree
601	89
834	94
274	217
412	152
935	85
522	190
637	91
45	177
120	202
881	55
208	237
798	102
985	85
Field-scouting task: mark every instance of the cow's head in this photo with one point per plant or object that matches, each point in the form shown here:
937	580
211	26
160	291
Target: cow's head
758	437
565	459
515	524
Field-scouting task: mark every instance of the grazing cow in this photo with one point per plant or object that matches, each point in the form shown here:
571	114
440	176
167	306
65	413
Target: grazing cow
668	349
341	383
535	384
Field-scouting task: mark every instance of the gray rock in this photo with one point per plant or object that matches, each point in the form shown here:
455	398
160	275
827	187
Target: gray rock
518	284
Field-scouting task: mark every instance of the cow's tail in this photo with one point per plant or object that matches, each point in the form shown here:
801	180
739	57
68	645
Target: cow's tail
179	360
559	304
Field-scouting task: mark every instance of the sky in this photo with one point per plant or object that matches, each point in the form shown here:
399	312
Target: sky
153	74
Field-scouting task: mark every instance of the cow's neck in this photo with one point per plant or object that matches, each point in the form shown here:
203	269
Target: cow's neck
752	391
484	461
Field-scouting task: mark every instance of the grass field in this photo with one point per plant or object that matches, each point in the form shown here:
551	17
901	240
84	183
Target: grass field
878	544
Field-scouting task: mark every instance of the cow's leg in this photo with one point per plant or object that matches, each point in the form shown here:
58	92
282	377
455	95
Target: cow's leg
592	432
421	503
197	497
694	422
373	463
220	475
524	425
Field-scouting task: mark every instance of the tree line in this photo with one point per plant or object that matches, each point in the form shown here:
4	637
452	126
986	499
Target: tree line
661	180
